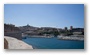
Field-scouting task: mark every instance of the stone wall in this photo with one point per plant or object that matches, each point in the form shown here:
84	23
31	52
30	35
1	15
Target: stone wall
14	34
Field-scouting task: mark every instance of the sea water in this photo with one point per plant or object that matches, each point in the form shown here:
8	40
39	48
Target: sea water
54	43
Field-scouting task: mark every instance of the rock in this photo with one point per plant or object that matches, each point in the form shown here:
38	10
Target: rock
5	44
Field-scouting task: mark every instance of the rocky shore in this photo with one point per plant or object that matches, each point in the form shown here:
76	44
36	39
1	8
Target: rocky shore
13	43
71	38
40	36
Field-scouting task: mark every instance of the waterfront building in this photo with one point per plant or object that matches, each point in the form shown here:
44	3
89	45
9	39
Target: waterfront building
65	28
71	27
77	29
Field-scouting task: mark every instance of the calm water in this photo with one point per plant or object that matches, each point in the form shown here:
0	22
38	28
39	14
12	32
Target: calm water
54	43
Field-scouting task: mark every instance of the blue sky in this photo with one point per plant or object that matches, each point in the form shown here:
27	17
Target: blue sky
45	15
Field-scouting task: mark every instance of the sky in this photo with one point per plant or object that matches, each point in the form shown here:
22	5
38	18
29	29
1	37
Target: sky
45	15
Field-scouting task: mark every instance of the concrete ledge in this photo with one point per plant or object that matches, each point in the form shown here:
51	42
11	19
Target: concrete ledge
14	43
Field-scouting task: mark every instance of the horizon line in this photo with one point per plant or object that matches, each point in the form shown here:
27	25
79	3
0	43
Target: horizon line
45	26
